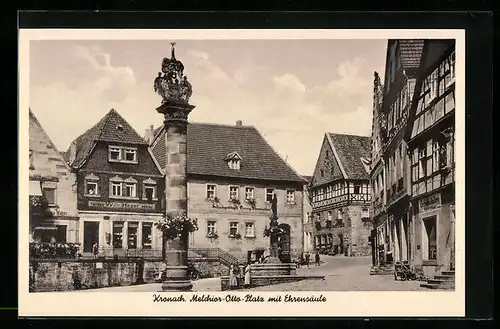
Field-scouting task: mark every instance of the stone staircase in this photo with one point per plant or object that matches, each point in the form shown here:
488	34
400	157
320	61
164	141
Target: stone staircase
444	281
382	270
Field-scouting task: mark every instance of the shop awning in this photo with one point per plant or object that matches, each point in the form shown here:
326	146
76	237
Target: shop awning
35	188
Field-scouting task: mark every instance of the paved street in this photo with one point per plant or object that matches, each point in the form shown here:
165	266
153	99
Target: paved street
341	274
345	274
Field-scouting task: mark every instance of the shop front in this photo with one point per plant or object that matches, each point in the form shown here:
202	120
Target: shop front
434	228
121	234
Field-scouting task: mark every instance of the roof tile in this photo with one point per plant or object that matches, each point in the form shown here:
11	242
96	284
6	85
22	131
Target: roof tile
209	144
111	128
351	149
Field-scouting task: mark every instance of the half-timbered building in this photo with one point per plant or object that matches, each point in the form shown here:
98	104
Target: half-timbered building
431	143
340	193
401	71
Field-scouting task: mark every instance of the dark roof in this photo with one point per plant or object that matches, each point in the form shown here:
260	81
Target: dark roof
350	150
410	51
111	128
209	144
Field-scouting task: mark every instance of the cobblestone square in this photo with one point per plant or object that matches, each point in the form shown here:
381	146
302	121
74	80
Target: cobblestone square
341	274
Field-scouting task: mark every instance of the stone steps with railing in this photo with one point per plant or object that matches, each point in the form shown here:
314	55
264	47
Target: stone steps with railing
445	280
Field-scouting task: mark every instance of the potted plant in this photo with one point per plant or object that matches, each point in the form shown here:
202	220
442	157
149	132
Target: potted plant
274	230
216	200
212	235
173	227
252	202
235	236
236	202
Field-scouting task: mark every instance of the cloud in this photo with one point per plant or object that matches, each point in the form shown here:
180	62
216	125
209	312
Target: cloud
292	114
90	65
290	81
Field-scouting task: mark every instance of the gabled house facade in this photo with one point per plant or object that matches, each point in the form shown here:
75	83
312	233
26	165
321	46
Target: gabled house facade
430	136
340	195
52	189
119	188
402	63
232	175
380	236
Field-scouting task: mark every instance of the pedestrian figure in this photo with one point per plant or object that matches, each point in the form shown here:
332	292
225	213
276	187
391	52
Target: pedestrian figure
95	249
233	280
248	277
316	258
253	257
308	257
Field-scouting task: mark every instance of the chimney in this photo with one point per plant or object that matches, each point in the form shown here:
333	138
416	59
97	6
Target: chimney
239	123
151	133
72	152
148	134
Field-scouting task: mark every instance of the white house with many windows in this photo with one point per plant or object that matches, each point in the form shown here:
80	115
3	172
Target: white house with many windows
232	175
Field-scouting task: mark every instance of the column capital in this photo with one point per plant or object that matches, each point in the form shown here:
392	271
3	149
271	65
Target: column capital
175	112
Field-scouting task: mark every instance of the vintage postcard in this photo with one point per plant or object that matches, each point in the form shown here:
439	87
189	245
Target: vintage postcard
241	173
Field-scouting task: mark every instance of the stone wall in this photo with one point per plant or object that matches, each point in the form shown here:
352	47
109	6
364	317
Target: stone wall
54	275
360	232
51	275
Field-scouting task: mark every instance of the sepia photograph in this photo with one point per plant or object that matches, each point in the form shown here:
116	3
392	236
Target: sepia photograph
190	168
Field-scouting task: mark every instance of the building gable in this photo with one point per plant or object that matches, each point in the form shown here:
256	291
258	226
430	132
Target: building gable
98	160
111	128
45	159
327	168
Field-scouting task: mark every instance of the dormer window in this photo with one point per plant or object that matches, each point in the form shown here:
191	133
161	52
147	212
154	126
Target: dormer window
122	154
233	160
234	164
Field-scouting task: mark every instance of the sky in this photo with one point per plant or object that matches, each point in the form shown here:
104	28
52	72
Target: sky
292	91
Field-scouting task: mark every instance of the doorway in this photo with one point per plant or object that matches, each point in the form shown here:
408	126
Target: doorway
90	235
284	244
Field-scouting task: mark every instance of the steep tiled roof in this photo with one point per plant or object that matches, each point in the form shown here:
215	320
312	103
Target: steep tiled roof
111	128
351	149
209	144
410	52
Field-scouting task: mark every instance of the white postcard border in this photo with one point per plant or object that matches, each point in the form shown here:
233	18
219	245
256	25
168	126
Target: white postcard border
345	304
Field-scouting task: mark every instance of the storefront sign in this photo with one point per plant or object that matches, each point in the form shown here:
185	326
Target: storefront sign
237	207
432	202
121	205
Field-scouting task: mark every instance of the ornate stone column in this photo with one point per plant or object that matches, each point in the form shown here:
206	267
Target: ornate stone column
175	90
274	228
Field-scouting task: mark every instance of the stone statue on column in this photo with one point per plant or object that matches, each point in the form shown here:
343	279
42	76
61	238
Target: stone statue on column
175	91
